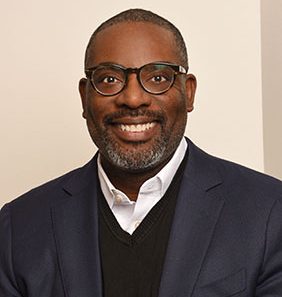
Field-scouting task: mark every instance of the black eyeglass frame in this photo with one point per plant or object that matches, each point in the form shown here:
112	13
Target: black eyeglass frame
178	69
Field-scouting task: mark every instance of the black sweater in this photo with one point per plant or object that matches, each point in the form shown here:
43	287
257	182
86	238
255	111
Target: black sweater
132	264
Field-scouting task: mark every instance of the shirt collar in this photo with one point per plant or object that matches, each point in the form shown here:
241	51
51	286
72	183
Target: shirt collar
155	186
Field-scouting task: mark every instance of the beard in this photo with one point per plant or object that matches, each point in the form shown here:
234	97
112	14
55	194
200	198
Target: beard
136	158
140	156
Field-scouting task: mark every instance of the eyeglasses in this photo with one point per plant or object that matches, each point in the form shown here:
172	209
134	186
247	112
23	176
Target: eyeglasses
154	78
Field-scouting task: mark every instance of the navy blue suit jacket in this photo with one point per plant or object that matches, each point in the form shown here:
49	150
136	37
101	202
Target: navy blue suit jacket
226	236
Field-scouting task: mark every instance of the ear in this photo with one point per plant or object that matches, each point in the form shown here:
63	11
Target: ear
82	91
191	85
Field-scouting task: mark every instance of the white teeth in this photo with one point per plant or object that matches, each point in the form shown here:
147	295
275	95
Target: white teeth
137	128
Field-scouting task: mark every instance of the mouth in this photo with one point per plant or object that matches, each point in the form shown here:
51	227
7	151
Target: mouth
135	126
135	131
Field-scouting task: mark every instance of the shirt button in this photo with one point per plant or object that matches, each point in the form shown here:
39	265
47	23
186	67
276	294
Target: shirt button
118	199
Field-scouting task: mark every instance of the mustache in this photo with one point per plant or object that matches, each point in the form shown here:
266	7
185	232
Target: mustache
150	114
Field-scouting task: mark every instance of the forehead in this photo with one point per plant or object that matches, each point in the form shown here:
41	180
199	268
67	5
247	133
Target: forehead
133	44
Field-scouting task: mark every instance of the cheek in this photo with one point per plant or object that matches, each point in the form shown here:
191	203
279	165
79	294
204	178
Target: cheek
94	118
176	108
96	109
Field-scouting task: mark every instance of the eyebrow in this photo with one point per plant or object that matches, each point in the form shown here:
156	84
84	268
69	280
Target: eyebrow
107	63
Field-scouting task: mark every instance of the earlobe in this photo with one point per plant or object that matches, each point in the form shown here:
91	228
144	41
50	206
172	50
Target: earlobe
191	85
82	92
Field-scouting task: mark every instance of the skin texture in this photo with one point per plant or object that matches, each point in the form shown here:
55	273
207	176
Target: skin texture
130	158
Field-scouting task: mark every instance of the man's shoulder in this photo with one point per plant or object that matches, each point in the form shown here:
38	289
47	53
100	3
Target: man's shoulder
55	189
241	175
237	179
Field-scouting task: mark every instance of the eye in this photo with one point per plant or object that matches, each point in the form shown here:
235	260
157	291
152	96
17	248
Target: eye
108	76
159	79
110	80
156	76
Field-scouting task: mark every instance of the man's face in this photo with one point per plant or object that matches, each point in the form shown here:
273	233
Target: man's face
134	130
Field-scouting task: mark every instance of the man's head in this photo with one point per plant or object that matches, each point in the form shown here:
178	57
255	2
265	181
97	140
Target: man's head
134	129
140	15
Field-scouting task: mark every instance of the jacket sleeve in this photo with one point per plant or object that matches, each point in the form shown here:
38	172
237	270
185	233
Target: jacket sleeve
8	285
270	278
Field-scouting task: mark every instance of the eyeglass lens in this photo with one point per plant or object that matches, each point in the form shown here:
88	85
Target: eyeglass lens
154	78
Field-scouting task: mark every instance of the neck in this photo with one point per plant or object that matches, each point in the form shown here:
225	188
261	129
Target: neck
127	181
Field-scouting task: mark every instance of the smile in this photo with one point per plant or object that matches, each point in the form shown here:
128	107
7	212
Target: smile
137	127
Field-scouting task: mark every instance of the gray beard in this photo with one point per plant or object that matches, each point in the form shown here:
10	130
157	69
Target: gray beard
137	159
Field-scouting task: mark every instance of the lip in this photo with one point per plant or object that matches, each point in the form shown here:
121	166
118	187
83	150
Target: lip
139	120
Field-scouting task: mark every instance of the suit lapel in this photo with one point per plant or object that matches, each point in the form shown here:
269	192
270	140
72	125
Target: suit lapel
198	208
75	223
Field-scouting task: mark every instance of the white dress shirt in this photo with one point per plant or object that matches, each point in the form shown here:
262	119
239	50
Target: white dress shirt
130	214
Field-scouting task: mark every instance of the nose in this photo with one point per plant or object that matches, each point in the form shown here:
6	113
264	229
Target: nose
133	95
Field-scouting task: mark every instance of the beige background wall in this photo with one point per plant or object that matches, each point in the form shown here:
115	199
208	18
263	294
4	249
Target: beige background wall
42	45
271	25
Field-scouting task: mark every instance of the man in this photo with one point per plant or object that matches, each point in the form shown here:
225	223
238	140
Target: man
151	214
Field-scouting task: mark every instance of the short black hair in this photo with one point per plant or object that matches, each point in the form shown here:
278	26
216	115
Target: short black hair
141	15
